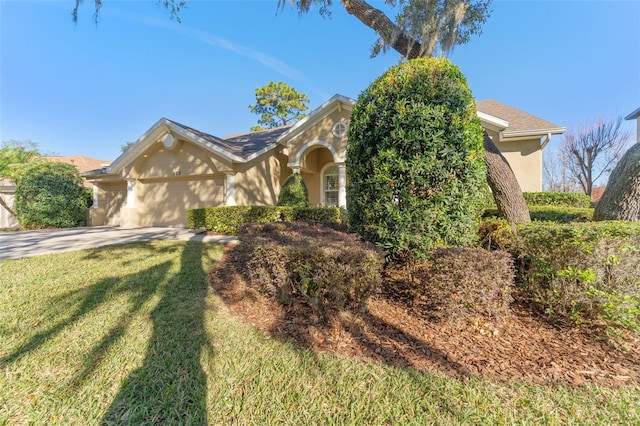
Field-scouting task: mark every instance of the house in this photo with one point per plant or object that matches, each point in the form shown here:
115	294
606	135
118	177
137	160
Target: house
8	188
635	115
173	168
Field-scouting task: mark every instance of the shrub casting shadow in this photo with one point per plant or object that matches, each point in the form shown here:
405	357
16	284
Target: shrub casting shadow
374	337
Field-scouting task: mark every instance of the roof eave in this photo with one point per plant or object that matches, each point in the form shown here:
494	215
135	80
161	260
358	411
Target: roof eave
633	115
497	122
536	132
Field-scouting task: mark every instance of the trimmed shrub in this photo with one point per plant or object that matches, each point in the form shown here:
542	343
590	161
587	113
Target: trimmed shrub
294	192
497	234
309	264
565	199
583	271
415	160
50	194
228	219
463	283
559	214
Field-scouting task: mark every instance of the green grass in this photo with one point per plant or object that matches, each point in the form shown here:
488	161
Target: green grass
134	335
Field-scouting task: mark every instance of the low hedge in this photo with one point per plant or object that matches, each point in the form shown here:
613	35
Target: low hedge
562	199
582	271
459	284
228	219
560	214
305	264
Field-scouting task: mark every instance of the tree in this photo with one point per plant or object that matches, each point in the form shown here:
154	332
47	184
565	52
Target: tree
125	147
621	198
414	35
50	194
590	151
174	7
278	104
294	192
14	154
556	173
414	160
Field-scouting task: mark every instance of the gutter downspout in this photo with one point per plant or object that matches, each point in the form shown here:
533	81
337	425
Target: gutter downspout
545	141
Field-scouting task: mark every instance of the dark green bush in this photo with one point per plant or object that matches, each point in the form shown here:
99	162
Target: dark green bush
565	199
462	283
415	160
560	214
309	264
50	195
228	219
294	192
583	271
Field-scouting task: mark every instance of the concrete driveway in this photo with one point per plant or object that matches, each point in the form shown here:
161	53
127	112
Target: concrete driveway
16	245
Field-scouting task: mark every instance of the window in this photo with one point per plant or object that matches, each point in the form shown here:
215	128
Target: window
330	186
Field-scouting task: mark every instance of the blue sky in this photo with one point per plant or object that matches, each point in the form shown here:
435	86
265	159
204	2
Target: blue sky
87	89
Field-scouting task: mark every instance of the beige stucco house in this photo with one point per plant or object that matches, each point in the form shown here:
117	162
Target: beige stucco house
173	168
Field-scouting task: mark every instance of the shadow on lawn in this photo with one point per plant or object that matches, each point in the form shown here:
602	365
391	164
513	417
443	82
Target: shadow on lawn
170	387
90	298
359	334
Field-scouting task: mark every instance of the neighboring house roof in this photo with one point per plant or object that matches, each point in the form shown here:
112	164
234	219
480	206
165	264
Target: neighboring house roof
633	115
519	123
82	162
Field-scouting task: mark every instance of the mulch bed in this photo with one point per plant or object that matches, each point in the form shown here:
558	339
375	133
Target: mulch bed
525	346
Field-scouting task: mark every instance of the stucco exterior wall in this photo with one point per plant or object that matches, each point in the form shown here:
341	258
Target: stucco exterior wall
111	197
165	202
321	132
186	159
258	183
525	158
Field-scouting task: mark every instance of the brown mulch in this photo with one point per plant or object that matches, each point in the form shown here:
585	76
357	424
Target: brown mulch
526	346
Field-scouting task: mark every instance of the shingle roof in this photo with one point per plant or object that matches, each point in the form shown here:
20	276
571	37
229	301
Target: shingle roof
240	144
519	121
82	162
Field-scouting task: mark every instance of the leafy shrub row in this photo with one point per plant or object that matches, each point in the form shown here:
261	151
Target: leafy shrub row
462	283
566	199
309	264
228	219
583	271
560	214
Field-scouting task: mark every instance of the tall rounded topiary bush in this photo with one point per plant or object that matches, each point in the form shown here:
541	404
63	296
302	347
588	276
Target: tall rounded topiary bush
50	195
415	160
294	192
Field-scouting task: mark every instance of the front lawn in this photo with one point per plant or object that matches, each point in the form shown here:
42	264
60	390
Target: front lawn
134	334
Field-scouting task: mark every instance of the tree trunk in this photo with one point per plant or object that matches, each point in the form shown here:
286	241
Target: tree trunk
504	185
384	27
621	197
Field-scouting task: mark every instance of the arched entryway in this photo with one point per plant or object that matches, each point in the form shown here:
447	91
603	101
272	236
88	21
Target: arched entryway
323	172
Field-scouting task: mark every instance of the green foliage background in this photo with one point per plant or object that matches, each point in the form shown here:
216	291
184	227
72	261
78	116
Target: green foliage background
415	159
50	195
